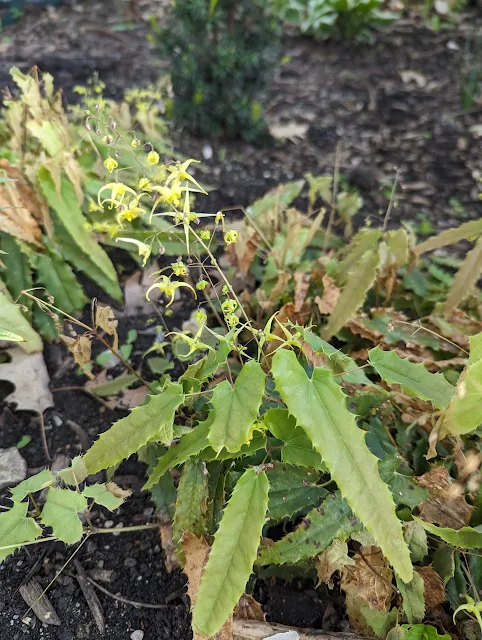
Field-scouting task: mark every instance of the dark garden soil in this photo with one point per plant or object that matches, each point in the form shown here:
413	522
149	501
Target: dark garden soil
392	105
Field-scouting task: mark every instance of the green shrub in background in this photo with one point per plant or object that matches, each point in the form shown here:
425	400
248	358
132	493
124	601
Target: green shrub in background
348	19
222	54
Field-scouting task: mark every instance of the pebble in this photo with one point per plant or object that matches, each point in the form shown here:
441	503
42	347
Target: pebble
207	152
137	635
108	524
130	562
13	468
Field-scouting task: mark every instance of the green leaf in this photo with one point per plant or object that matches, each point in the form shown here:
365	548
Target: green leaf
319	406
60	282
236	408
61	513
35	483
75	474
113	387
68	210
10	336
13	320
233	553
189	445
404	487
414	379
18	274
291	489
464	413
297	447
334	520
412	593
191	503
276	200
464	538
16	528
423	632
207	366
443	562
84	262
153	420
358	283
465	280
105	495
416	539
380	621
475	348
466	231
361	243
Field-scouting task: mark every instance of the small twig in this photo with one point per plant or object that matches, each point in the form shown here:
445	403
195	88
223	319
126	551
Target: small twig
336	178
134	603
392	199
44	438
81	434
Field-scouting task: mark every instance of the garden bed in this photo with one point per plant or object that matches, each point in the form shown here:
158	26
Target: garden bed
393	106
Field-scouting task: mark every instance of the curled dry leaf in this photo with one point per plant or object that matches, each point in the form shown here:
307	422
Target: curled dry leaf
80	348
106	320
369	578
434	591
248	608
329	298
18	206
302	283
31	379
446	505
335	558
117	491
169	547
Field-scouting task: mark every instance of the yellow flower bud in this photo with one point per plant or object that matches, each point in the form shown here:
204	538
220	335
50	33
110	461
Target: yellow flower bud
153	158
231	237
110	164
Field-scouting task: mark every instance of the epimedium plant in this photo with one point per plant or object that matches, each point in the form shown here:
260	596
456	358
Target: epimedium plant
222	54
274	423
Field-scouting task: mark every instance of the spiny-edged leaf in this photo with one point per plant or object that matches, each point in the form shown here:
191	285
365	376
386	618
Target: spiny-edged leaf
380	621
13	320
192	502
334	520
404	487
464	413
422	632
291	489
75	474
443	561
414	379
361	243
413	601
153	420
236	408
359	281
475	343
297	448
465	279
209	364
84	262
189	445
337	361
416	538
466	231
16	528
233	553
276	200
394	249
107	495
18	274
60	282
35	483
257	443
10	336
113	387
319	406
464	538
68	210
60	512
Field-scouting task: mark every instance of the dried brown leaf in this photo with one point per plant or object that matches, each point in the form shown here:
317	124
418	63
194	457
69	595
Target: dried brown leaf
169	547
434	591
18	207
132	398
446	505
106	320
81	348
331	293
248	608
335	558
302	284
369	578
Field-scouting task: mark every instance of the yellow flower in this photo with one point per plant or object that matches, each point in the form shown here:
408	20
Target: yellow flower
143	249
169	195
110	164
144	184
118	191
200	316
179	172
179	269
231	237
129	214
169	288
153	158
135	142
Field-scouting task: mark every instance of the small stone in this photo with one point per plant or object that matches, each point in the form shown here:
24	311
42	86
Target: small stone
13	468
137	635
207	152
108	524
130	562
